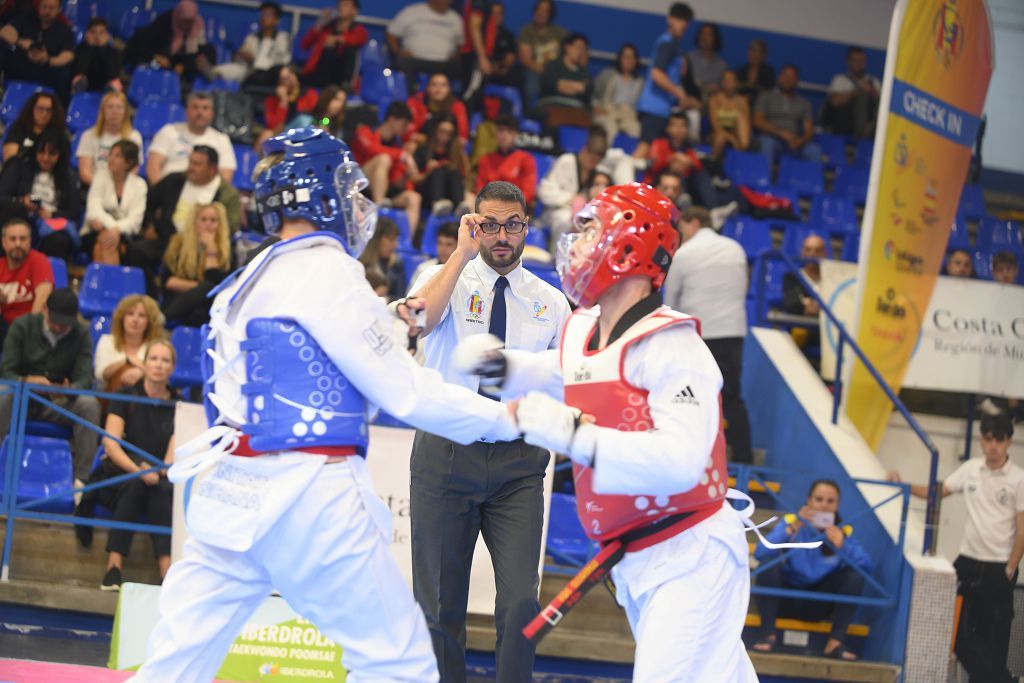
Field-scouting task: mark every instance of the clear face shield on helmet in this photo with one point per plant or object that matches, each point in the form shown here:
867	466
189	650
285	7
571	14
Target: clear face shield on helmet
359	212
579	253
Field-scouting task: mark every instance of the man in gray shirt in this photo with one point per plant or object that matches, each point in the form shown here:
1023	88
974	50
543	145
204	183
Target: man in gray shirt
784	122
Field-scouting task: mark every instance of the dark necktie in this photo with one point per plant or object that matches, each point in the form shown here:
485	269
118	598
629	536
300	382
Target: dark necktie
498	322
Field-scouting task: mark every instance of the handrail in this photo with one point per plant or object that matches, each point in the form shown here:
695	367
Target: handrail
931	511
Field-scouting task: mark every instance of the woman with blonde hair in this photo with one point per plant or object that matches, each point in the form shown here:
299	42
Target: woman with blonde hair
119	354
113	123
197	259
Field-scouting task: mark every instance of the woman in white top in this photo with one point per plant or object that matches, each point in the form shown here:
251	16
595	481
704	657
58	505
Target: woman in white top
616	91
115	206
119	355
114	123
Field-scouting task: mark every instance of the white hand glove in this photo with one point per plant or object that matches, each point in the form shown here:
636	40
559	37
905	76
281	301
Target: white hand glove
551	424
481	355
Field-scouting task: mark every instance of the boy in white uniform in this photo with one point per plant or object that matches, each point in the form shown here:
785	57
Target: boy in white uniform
298	354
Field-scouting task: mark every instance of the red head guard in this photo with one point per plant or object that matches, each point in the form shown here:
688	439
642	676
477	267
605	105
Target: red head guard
625	231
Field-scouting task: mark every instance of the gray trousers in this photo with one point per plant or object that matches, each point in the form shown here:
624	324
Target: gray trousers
84	441
459	492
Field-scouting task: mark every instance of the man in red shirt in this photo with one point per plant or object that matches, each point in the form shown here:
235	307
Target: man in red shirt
26	278
333	44
386	164
508	163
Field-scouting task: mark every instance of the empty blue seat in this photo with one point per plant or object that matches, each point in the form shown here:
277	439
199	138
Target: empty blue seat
216	31
44	468
627	143
411	260
851	247
833	148
135	18
852	182
958	235
201	84
401	219
747	168
60	272
998	235
381	86
796	233
162	85
530	126
972	203
153	115
572	138
544	163
15	94
755	236
104	286
767	278
806	178
98	326
429	244
982	265
83	110
537	236
187	342
567	542
863	152
834	214
373	55
508	93
546	273
246	159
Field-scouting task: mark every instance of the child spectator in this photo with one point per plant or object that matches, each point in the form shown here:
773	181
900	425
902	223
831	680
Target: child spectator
381	256
436	101
113	123
444	167
333	44
616	92
447	240
959	264
1005	267
508	163
41	112
673	152
116	205
121	353
197	260
97	63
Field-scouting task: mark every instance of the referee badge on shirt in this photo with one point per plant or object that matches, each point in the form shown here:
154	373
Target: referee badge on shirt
539	310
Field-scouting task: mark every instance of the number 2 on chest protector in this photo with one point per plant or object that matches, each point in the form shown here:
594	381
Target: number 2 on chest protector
234	486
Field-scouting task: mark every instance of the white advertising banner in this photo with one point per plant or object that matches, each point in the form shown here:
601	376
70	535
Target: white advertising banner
972	335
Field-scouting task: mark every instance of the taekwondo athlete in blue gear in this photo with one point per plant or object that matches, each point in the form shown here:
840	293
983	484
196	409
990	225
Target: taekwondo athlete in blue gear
298	356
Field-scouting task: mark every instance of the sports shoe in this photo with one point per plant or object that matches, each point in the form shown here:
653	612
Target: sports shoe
111	580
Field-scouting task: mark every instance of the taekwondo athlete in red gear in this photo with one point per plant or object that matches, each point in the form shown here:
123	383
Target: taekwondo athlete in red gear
297	357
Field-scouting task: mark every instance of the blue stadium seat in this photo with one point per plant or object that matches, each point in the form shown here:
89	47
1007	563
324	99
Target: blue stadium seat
567	542
79	13
755	236
530	126
767	277
216	31
547	273
382	86
50	430
833	148
544	162
958	235
834	214
246	158
15	94
83	110
135	18
508	93
373	55
852	182
747	168
851	247
401	219
44	469
153	115
982	265
411	260
806	178
99	326
60	272
793	239
104	286
572	138
187	343
162	85
429	243
863	152
537	236
997	235
626	143
201	84
972	203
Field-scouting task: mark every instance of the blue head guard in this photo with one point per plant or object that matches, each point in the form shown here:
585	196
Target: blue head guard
318	181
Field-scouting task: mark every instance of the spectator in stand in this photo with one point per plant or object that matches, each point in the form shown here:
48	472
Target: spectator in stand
426	37
447	240
568	176
706	65
168	207
115	206
288	101
436	101
381	256
828	569
600	180
959	264
41	112
329	112
988	565
1005	267
172	145
708	280
443	169
566	85
508	163
262	53
175	40
43	189
616	92
42	48
670	184
795	298
664	87
387	166
783	120
26	277
333	44
197	259
489	52
729	112
852	105
113	123
378	283
97	64
121	353
147	498
674	153
756	76
52	348
540	42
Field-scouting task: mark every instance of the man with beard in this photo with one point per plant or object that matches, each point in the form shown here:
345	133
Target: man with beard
493	488
26	277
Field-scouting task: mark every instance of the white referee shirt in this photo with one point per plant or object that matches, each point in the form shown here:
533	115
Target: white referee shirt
535	313
993	497
708	280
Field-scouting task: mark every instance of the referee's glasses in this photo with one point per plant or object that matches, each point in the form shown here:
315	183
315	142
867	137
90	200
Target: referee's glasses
494	227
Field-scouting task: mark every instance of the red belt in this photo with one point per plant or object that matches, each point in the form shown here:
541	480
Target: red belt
244	450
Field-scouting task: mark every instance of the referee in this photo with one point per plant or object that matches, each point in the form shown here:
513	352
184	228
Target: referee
493	488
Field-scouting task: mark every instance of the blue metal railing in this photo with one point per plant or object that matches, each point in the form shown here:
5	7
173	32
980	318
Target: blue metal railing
23	395
931	512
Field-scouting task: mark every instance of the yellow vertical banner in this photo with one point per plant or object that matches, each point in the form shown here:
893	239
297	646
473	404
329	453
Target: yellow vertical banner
938	66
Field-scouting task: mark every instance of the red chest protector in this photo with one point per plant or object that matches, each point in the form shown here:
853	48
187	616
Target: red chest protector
595	384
